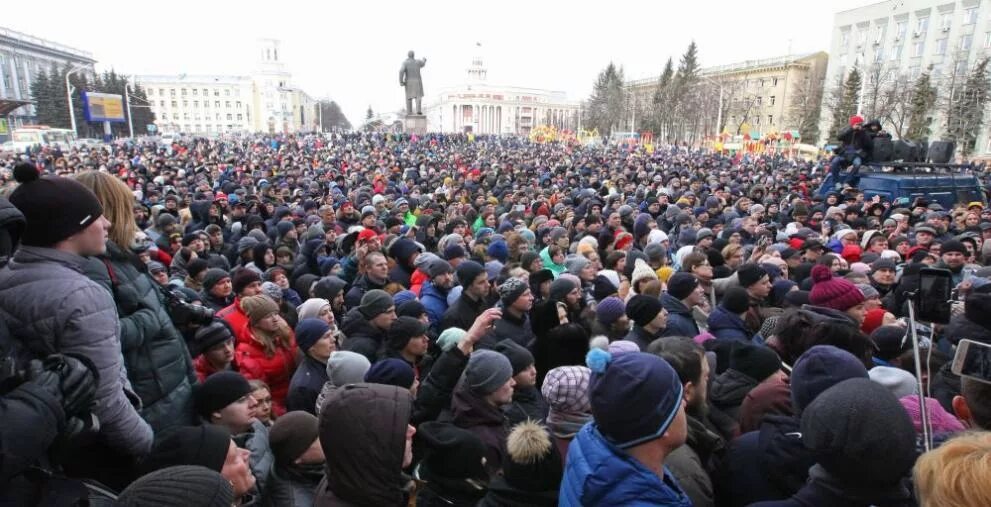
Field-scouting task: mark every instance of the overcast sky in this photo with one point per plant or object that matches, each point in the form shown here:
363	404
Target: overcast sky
351	51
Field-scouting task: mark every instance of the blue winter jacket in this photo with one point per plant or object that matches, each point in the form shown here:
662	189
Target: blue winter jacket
434	300
681	322
725	325
598	473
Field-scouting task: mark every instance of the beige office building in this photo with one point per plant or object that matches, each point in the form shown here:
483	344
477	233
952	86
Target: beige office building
758	94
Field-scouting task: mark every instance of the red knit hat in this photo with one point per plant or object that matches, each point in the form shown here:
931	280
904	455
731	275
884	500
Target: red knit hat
873	320
623	239
836	293
851	253
856	120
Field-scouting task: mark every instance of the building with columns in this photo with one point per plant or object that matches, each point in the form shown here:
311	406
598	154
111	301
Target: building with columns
22	58
483	108
263	101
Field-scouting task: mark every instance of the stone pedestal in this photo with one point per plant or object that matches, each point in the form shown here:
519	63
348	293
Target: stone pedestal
415	124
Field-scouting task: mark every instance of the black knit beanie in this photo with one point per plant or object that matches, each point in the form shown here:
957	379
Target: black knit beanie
212	277
54	208
205	445
755	361
218	391
179	486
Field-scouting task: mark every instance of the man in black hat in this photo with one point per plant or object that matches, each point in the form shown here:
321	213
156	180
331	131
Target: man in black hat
49	304
224	399
473	300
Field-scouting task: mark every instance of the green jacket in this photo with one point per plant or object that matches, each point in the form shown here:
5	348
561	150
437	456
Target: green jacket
155	354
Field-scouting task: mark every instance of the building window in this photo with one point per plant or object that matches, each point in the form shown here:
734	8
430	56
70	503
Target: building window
238	104
759	100
918	48
206	93
175	116
206	103
185	103
771	99
945	21
760	83
770	119
183	92
896	53
844	39
922	26
161	91
227	104
227	92
196	117
961	68
196	103
900	28
937	69
757	120
185	116
216	103
970	16
913	72
941	47
216	93
879	54
175	104
230	117
240	117
987	40
161	103
966	41
172	92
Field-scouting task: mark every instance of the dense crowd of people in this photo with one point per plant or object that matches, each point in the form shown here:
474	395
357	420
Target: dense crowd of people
368	319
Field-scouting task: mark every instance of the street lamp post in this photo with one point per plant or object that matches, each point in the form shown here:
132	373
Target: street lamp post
68	94
127	104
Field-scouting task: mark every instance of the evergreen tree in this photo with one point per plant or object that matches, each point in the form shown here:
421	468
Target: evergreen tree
659	116
369	114
333	117
141	110
607	105
847	105
40	89
688	67
920	105
58	108
966	112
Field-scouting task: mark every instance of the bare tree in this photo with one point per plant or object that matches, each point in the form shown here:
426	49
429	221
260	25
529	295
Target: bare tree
876	101
806	104
899	93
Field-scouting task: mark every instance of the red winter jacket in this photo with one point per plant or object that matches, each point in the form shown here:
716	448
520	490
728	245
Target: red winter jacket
275	370
238	321
204	369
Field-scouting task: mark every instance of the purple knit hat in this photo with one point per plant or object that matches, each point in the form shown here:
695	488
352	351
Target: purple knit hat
836	293
942	421
610	310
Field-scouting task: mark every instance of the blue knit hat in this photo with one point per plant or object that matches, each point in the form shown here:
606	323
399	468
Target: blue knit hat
635	397
820	368
499	251
308	331
393	372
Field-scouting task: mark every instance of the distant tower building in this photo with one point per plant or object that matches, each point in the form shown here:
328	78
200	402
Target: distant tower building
477	73
273	80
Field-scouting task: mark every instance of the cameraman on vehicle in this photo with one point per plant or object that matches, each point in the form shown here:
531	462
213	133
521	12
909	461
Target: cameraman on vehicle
856	147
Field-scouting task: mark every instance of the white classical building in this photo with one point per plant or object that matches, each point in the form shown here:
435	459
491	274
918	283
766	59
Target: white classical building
909	36
22	58
483	108
264	101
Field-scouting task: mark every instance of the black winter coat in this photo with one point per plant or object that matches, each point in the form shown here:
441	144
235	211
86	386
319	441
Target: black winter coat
768	464
305	385
946	384
436	389
726	394
361	336
462	313
527	403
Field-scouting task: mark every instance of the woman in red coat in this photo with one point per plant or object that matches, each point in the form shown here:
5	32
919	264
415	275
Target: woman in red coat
270	354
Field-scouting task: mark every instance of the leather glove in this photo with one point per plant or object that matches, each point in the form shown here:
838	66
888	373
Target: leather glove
78	381
71	380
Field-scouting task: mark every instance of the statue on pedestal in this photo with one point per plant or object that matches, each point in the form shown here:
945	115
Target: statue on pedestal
409	77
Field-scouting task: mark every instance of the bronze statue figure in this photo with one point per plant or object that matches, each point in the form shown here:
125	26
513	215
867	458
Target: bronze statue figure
409	77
